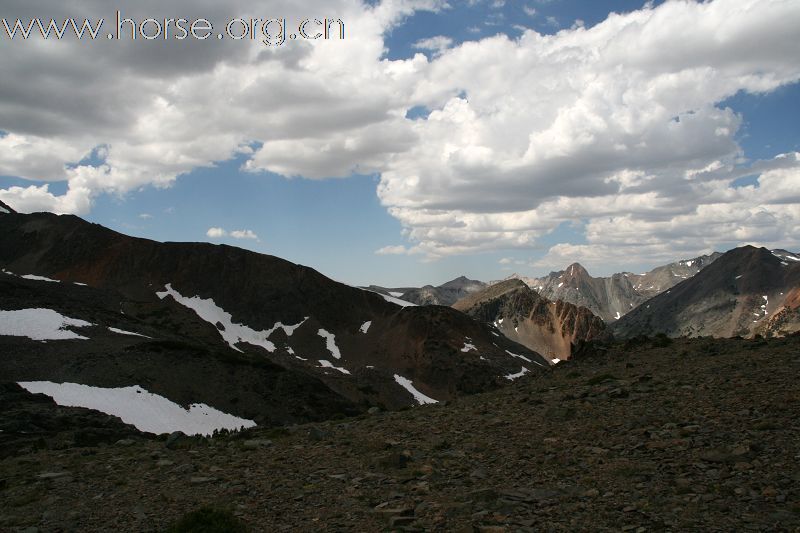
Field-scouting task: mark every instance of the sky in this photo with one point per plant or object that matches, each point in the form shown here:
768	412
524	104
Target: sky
437	139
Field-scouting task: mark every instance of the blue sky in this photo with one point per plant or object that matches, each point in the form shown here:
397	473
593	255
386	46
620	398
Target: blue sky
382	207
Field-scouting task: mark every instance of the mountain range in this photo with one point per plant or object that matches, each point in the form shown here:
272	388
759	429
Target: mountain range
245	338
614	296
248	334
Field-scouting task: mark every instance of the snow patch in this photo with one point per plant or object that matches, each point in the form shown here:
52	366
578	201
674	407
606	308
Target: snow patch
4	210
40	325
365	326
327	364
396	294
555	361
123	332
330	343
512	354
398	301
560	284
213	314
391	299
409	386
512	377
617	317
232	333
34	277
134	405
289	330
468	347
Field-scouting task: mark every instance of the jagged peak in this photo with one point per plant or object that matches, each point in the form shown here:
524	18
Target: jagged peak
576	270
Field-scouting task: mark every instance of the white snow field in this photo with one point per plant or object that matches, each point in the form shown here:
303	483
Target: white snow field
134	405
40	325
519	374
232	333
409	386
330	343
123	332
327	364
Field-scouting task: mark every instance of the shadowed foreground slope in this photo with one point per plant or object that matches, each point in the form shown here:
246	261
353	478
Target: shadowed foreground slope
696	435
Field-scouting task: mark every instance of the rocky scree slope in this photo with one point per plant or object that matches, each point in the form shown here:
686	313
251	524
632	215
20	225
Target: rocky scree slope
697	435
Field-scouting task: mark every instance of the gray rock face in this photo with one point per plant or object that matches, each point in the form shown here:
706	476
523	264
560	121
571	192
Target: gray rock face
614	296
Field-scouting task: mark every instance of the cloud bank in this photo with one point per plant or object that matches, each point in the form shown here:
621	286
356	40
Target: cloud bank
618	127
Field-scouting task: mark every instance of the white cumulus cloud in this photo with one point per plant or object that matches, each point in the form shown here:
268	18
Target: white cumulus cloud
620	127
241	234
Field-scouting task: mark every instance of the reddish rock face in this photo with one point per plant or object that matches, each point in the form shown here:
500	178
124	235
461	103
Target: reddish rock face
793	299
522	315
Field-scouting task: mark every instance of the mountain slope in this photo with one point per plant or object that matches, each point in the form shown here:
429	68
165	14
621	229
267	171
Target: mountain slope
741	293
522	315
239	304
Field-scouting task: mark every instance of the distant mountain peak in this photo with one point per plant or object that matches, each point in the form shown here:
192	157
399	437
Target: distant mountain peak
577	270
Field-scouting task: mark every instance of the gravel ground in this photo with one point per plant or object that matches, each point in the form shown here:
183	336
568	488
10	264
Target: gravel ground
696	435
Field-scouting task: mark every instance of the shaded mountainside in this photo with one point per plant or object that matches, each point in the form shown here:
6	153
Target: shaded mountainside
746	291
699	435
522	315
614	296
232	328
